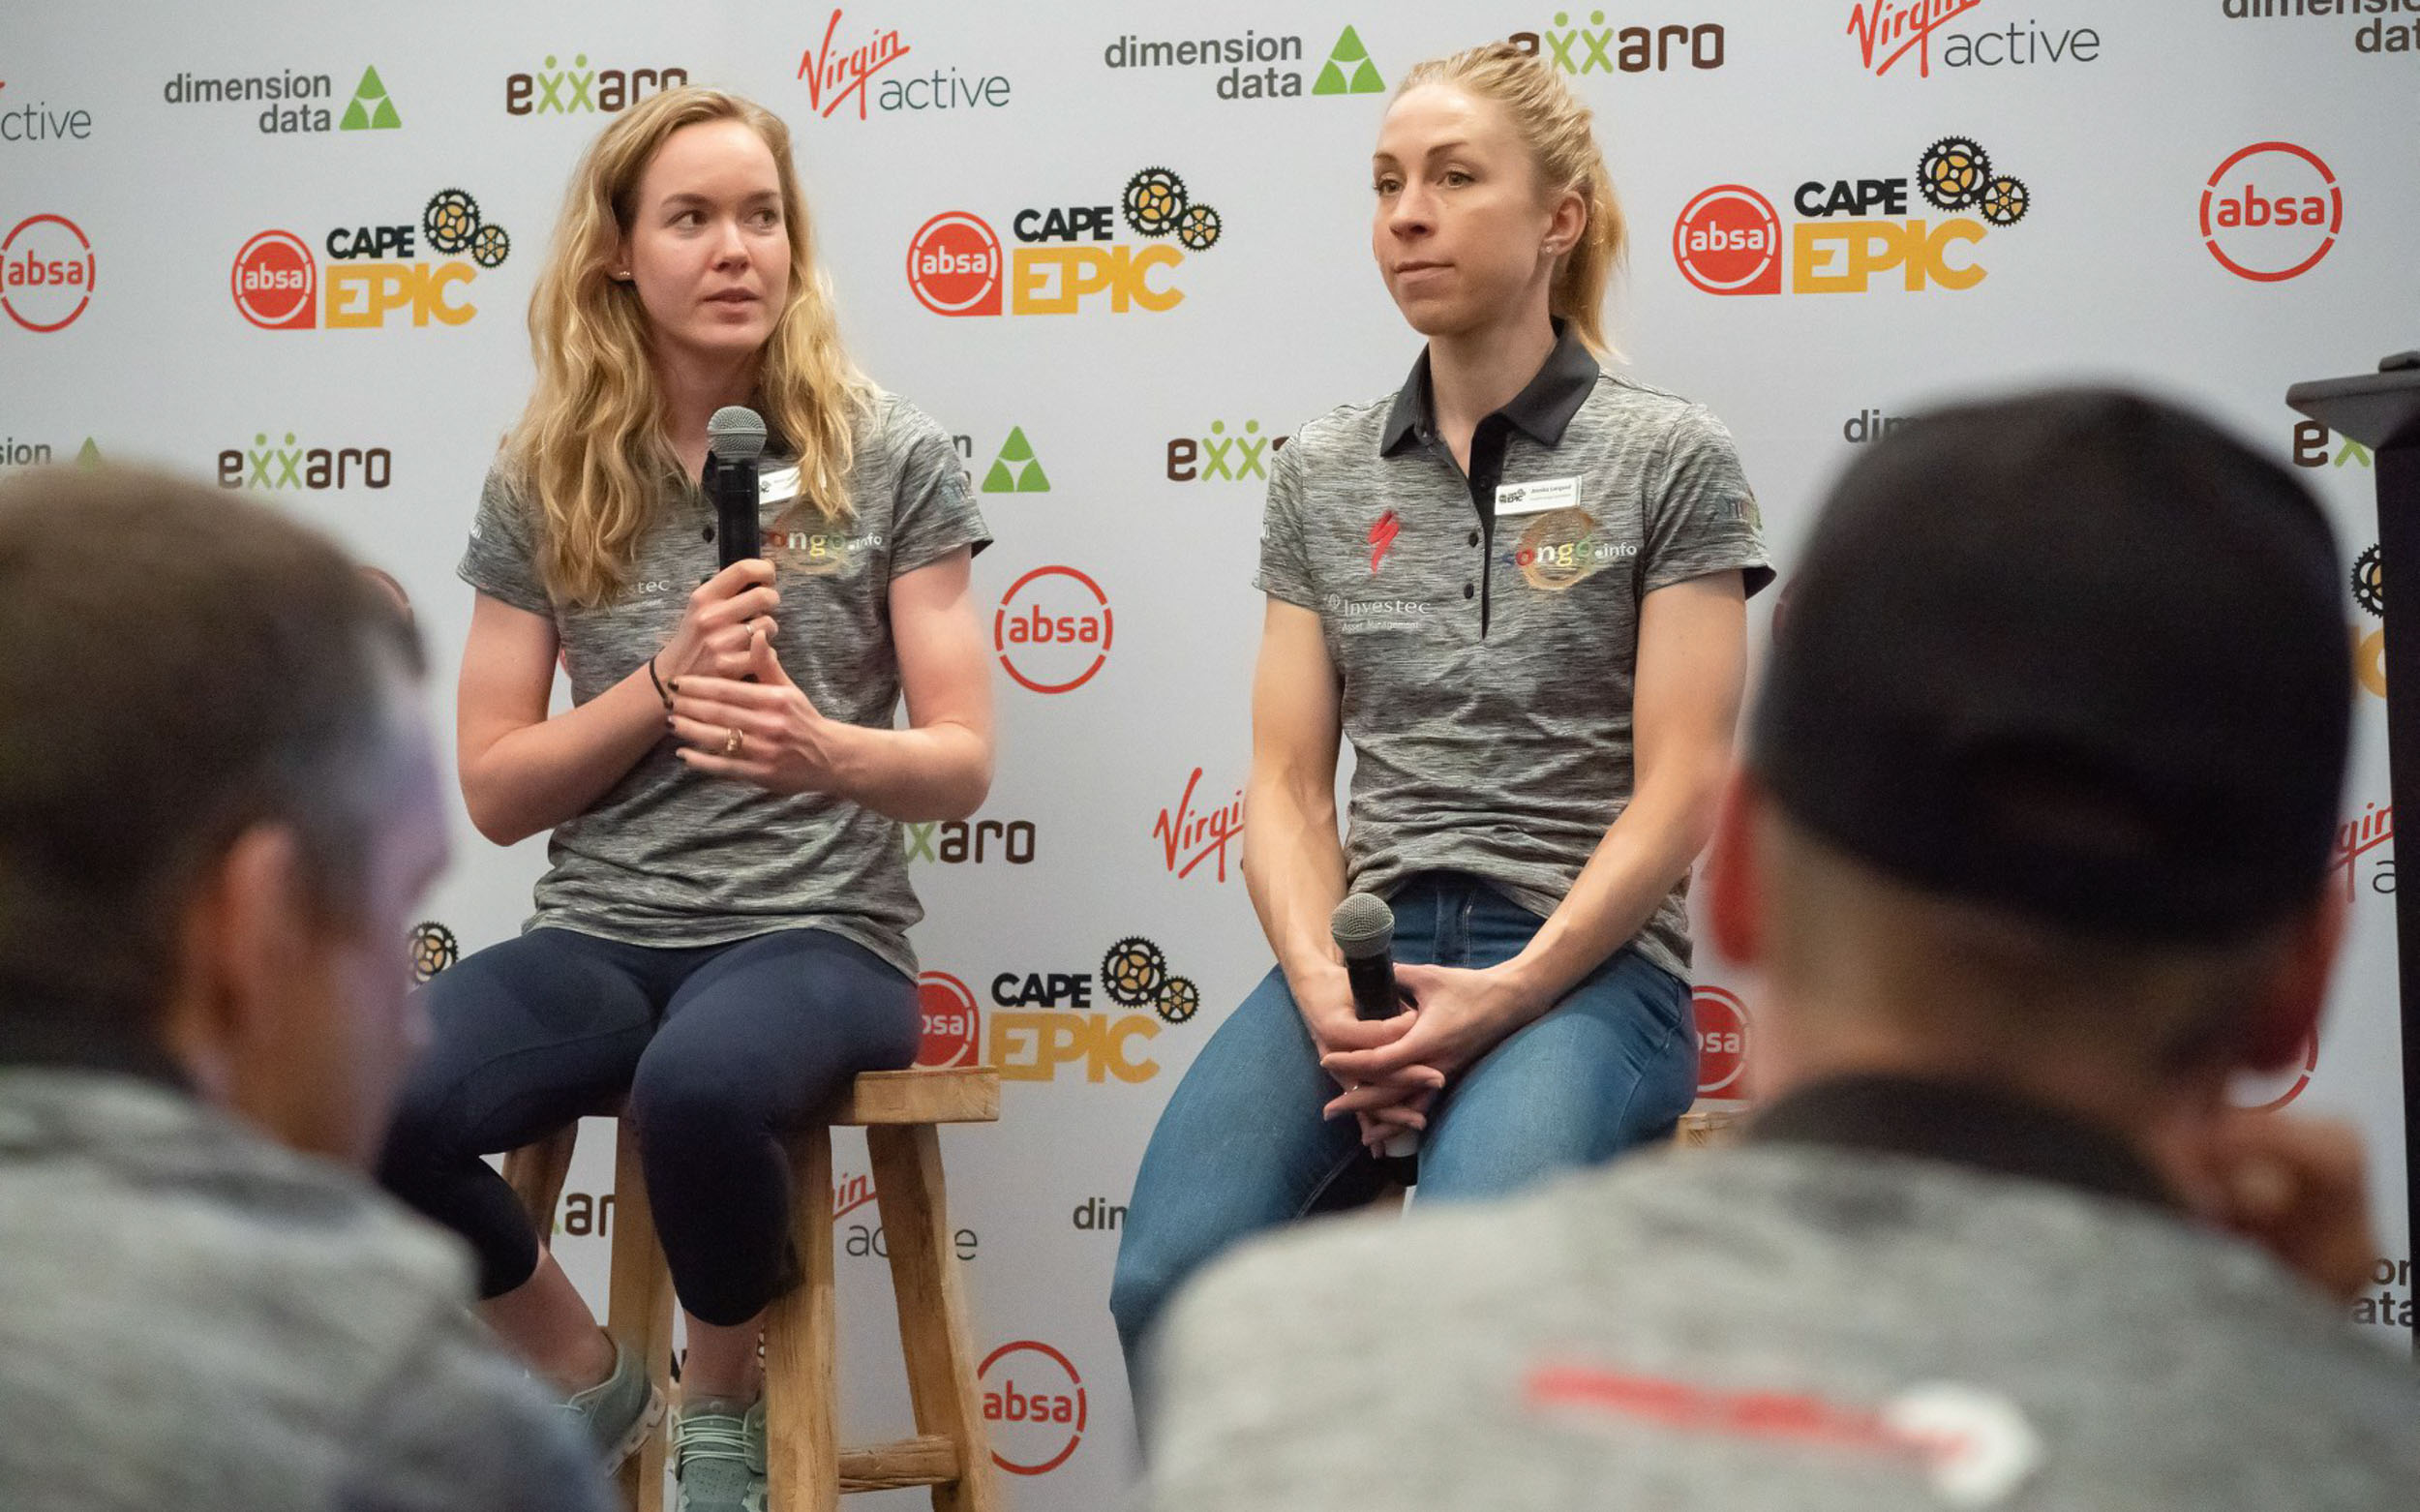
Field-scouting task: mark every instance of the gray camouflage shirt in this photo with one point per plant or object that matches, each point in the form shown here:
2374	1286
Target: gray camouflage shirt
671	858
1485	629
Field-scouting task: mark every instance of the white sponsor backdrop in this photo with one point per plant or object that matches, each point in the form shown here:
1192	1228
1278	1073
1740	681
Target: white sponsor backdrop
1146	377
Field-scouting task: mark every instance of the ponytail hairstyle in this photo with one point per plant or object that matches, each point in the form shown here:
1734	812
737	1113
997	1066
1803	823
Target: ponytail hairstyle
591	451
1560	135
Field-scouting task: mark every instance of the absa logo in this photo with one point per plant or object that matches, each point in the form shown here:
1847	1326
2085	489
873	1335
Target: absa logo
2271	212
47	269
953	265
1033	1406
1054	629
953	1022
1728	241
1722	1042
276	283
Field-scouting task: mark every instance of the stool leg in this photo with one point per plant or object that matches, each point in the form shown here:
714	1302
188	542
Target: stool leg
933	1333
802	1389
639	1311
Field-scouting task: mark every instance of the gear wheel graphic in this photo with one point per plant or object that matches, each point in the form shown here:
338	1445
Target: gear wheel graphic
1154	199
1179	999
2005	200
2370	582
1952	172
450	220
1198	227
490	246
433	950
1134	970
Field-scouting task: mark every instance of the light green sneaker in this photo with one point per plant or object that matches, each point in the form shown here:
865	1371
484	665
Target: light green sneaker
718	1456
619	1412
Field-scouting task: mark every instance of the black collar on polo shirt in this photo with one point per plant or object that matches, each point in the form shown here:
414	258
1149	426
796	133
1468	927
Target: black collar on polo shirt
1541	412
1968	1124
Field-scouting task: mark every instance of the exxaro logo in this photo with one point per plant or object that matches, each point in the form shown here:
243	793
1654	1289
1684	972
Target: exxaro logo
1054	629
1220	455
1033	1406
837	76
555	90
958	842
374	271
1728	240
1017	470
2271	211
266	465
46	273
1189	835
1043	1020
2314	447
1887	31
1600	48
1347	71
954	264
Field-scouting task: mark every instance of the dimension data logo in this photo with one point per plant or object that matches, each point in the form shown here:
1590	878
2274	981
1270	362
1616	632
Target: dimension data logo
2375	37
1728	240
1599	49
1017	470
553	89
1888	32
293	102
266	464
838	77
46	272
1257	64
1068	259
375	272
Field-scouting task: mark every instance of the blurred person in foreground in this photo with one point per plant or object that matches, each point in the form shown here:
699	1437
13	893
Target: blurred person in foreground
2032	850
218	813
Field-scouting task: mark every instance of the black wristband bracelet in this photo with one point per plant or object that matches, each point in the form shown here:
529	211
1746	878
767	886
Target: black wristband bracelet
658	681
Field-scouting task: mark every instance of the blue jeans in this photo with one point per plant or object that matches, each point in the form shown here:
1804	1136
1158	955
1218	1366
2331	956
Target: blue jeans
1241	1146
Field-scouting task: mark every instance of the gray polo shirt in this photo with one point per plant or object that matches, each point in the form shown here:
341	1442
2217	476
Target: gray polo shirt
1485	628
671	858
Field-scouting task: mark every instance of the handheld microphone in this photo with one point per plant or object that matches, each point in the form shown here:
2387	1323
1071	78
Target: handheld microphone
1363	927
735	438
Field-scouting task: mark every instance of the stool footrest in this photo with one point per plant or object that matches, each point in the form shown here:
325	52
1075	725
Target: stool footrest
927	1459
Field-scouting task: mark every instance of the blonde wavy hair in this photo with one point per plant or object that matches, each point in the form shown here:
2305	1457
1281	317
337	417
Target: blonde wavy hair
1560	135
591	449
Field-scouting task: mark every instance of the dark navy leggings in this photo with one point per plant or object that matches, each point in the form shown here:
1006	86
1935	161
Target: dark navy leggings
721	1050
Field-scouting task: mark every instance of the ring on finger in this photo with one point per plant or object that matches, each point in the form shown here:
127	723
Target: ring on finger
733	740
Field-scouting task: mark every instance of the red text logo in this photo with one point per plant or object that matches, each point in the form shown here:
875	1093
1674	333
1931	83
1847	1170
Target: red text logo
1722	1042
1190	836
1728	241
839	77
1887	31
2271	212
276	283
953	1022
1052	630
953	265
47	269
1033	1406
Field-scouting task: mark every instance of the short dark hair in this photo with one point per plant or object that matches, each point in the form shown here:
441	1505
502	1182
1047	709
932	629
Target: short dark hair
176	665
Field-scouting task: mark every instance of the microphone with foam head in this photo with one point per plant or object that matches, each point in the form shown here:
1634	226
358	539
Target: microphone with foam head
735	438
1363	927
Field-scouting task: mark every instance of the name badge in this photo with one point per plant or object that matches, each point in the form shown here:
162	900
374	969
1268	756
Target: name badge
776	485
1537	497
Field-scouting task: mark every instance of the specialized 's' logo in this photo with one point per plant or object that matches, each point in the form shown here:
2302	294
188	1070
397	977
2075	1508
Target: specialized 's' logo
1722	1042
1054	629
1383	532
2271	211
46	273
953	1021
1034	1409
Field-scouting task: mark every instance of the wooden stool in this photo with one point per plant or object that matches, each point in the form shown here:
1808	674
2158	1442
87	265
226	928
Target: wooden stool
1709	1127
902	1112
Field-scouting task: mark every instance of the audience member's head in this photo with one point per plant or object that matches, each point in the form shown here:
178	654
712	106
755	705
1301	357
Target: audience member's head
2042	780
218	805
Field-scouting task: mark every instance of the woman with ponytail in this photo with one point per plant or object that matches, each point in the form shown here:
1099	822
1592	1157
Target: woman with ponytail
1516	586
721	937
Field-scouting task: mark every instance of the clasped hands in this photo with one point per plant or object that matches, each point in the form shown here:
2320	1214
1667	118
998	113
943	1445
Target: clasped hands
1390	1069
734	708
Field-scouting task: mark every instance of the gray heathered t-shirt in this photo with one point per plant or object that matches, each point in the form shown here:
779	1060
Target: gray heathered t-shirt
669	857
1502	748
